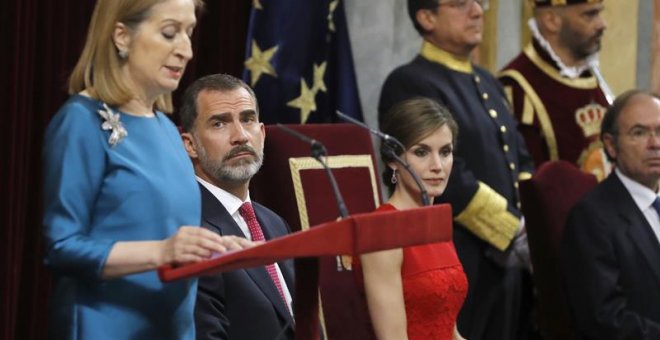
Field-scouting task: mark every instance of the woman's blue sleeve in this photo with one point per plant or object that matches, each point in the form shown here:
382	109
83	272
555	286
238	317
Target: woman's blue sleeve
74	161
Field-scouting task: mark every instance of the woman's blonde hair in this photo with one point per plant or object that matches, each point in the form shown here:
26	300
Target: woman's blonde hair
98	69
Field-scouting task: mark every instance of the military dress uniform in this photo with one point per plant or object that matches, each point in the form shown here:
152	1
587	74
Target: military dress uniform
489	159
559	116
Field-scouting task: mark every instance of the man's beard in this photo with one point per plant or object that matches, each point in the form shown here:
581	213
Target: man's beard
235	173
582	47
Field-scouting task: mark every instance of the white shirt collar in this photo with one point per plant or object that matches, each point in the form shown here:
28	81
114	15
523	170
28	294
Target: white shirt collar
232	204
566	71
228	200
642	195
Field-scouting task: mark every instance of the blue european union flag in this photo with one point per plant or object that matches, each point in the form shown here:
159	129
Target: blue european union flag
299	61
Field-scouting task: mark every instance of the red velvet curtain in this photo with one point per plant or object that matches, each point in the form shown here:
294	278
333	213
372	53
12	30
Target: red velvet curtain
39	43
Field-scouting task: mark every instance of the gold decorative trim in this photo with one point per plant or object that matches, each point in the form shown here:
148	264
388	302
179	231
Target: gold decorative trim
541	112
580	83
487	217
528	111
522	176
508	91
593	161
324	328
297	164
435	54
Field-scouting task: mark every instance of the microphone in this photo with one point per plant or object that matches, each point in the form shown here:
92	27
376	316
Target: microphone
318	152
391	145
385	137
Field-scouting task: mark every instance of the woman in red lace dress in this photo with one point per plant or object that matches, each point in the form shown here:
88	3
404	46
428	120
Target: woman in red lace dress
416	292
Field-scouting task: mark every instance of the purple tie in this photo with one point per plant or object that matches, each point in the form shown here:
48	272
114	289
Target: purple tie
247	212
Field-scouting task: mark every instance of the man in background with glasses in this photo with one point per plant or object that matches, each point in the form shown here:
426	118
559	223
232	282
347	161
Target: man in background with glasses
555	87
490	158
610	251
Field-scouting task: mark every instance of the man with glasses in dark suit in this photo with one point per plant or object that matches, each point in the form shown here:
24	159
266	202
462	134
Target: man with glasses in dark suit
610	251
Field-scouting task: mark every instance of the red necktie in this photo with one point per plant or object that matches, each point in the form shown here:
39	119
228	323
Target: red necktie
247	212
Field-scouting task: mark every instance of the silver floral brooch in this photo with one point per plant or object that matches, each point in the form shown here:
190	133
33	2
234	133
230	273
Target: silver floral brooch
111	122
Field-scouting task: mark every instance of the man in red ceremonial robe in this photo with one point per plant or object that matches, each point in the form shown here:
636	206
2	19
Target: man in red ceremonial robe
554	85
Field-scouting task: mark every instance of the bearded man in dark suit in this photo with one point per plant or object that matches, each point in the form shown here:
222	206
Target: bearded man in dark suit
224	138
610	252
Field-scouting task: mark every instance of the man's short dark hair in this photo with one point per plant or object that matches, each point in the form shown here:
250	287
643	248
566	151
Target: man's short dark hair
416	5
609	124
213	82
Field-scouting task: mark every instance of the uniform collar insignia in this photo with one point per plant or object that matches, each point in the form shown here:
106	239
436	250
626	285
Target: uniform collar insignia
435	54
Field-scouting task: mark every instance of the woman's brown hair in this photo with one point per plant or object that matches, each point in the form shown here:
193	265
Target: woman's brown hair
409	122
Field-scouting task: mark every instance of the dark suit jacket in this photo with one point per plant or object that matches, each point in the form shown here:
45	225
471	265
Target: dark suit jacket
610	261
242	304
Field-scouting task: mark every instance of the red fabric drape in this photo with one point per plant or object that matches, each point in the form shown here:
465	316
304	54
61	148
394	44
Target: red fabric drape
40	43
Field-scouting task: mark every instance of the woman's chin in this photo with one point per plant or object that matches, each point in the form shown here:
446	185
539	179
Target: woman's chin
435	191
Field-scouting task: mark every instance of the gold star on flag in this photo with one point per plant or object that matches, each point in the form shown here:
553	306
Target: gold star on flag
319	74
259	62
257	5
331	13
306	102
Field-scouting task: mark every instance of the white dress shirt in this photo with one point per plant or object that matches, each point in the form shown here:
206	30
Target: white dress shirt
644	198
232	204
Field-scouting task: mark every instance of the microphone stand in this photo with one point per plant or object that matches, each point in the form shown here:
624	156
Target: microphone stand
391	145
318	152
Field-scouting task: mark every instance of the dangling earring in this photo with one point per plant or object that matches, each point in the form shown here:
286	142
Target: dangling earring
122	54
394	179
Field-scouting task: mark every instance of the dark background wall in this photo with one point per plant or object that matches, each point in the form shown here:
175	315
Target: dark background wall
40	41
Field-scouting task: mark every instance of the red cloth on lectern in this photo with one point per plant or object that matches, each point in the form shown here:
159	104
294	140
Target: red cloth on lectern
434	288
274	188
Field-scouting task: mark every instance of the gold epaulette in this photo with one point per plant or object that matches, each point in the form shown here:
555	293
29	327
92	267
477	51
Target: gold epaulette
487	217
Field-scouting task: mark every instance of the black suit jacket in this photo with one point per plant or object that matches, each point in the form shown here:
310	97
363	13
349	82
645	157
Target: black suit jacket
610	261
242	304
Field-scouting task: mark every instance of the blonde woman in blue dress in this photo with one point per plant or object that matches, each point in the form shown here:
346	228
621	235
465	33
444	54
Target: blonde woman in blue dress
120	192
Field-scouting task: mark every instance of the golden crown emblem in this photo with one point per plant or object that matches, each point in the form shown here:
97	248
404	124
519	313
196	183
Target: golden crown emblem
589	118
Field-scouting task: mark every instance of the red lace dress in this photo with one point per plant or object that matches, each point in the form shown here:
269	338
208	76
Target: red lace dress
434	287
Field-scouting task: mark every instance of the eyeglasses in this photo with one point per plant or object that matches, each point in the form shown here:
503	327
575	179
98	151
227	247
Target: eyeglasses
465	5
641	134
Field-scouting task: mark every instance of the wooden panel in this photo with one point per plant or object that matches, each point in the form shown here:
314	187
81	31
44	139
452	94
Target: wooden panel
618	57
525	33
486	54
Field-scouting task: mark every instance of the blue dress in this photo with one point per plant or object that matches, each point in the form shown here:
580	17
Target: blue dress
141	189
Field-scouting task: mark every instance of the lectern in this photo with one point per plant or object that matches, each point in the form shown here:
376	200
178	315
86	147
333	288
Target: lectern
357	234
